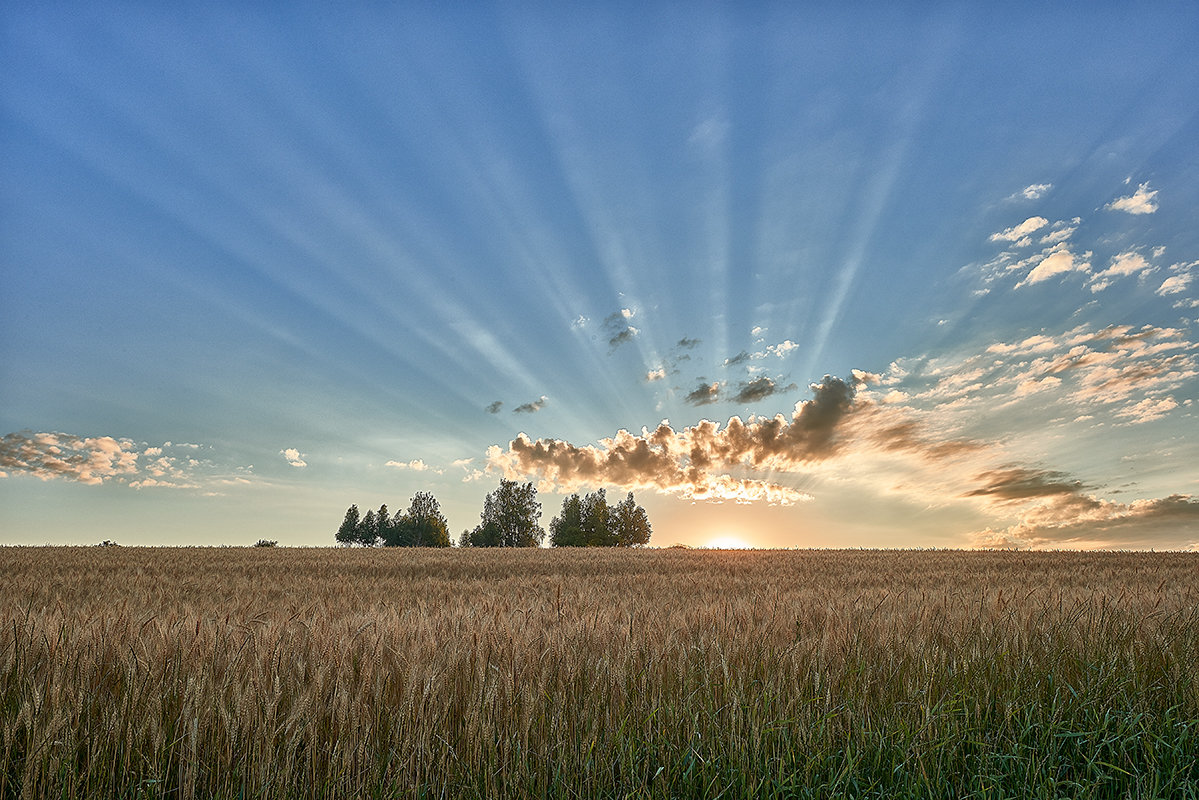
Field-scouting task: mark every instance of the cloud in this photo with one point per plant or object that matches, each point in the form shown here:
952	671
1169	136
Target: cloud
1019	232
1142	201
294	457
695	463
1122	266
1036	191
1175	284
1148	409
494	408
416	465
1019	483
782	350
687	344
531	407
580	322
759	389
656	374
1076	520
1058	260
618	329
704	394
49	456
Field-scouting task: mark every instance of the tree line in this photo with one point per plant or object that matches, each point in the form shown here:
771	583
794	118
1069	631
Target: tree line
510	518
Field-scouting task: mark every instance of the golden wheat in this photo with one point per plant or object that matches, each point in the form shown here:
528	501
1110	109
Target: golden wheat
595	673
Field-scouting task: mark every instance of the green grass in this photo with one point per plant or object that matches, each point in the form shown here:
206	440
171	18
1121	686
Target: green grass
281	673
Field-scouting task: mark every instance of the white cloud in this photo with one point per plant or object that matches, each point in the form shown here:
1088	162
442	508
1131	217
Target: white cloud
1148	409
656	374
294	457
1019	232
1123	265
782	348
1175	284
1036	191
1142	201
1059	235
1058	260
416	465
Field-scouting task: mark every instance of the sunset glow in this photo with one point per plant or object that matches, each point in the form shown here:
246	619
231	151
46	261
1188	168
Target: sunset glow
888	276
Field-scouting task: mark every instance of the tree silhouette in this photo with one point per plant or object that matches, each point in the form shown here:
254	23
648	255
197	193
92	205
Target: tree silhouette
509	519
368	530
347	534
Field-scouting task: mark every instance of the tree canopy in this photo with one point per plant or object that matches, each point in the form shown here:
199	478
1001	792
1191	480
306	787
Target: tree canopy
422	526
590	522
509	519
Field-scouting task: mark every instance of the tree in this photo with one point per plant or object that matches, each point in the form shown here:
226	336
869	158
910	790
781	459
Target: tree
383	524
566	529
630	524
347	534
368	530
266	543
509	519
596	515
422	526
591	522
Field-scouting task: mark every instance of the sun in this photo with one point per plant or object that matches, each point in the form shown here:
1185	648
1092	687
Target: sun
728	542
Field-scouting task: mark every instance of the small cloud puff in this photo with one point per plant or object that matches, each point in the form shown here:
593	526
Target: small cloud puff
494	408
294	457
531	407
704	394
1036	191
1057	260
1142	201
617	326
655	374
1019	233
416	465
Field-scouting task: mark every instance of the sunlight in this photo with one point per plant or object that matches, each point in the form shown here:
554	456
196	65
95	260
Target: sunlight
728	543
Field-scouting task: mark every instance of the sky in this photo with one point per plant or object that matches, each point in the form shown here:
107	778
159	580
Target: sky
797	275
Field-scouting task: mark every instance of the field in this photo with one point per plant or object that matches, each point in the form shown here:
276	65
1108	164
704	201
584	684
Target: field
256	672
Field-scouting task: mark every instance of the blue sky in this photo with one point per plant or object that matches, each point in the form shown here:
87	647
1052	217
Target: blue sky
259	263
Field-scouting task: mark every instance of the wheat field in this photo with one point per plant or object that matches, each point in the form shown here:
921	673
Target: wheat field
280	673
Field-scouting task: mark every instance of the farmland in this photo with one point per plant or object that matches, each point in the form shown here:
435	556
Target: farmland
260	672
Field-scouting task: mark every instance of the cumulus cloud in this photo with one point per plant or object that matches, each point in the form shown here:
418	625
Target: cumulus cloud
294	457
704	394
1142	201
698	462
47	456
531	407
1019	232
